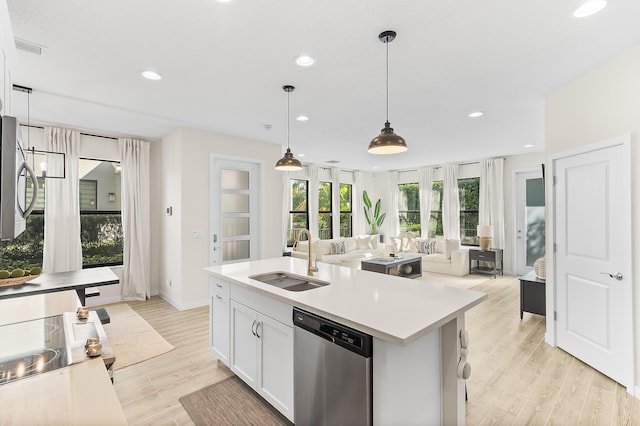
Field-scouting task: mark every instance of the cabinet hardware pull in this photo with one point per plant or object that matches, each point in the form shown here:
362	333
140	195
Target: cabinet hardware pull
252	326
218	297
258	325
218	285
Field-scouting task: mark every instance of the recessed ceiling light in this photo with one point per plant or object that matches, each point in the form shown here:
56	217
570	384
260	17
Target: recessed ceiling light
224	1
375	167
529	145
476	114
304	60
151	75
302	117
589	8
300	155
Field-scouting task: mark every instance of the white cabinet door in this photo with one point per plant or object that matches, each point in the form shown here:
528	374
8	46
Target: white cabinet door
275	369
244	344
220	326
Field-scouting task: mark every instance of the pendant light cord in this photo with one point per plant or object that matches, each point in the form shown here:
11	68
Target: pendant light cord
288	119
387	43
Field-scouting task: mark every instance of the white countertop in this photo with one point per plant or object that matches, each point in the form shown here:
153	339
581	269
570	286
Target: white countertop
394	309
81	394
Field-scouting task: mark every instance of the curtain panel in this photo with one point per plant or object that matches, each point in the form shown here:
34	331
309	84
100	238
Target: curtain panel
357	208
425	182
62	249
286	208
492	199
335	201
450	203
136	279
314	203
393	218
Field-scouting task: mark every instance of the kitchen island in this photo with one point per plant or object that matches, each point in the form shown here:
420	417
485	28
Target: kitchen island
416	329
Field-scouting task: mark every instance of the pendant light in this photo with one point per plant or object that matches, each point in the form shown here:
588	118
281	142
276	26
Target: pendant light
288	163
387	142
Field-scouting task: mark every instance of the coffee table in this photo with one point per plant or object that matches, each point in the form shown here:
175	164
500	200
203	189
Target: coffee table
407	265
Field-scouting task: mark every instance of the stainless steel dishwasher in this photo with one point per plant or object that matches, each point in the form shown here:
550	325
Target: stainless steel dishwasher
332	372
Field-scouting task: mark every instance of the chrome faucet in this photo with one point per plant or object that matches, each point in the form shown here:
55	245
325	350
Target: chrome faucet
311	269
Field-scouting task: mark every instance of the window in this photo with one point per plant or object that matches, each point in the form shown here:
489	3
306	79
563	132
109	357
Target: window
298	215
100	213
409	208
100	221
346	217
469	195
325	228
435	217
469	192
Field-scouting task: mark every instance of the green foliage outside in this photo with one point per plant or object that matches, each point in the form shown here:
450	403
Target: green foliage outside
101	237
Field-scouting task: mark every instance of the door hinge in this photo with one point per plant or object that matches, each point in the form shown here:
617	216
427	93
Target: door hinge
555	247
555	180
555	316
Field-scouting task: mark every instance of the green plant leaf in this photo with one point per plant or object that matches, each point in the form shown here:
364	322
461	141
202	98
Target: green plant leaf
381	219
366	199
377	210
366	215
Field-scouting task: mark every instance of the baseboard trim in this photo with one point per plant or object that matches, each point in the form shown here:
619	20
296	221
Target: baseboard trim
183	306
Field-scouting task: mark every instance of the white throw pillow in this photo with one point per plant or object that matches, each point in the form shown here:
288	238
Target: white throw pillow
350	244
337	247
396	244
364	242
375	241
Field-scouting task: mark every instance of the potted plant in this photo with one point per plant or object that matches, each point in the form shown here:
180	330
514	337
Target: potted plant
374	218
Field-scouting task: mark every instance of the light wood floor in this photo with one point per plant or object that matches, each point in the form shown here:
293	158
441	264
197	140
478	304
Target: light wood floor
516	378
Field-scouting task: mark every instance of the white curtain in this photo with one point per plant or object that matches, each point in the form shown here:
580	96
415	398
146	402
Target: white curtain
314	204
62	248
451	203
393	215
357	208
492	199
425	181
286	208
136	279
335	201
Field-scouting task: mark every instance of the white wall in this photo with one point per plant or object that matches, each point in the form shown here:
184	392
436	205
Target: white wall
185	187
602	104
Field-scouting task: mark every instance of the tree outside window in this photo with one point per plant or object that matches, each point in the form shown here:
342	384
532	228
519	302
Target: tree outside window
346	216
298	215
325	226
409	208
469	192
435	216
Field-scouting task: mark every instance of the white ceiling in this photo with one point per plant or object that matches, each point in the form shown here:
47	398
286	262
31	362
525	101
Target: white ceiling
224	65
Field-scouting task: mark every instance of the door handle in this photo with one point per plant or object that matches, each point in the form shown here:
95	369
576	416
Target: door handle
618	276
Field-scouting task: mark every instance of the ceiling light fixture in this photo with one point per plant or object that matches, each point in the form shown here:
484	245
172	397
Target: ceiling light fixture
288	163
476	114
151	75
305	60
589	8
302	118
529	145
387	142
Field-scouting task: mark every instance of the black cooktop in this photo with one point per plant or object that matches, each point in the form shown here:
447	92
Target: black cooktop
32	347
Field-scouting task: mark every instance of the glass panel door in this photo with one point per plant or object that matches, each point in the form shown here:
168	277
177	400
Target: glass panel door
234	210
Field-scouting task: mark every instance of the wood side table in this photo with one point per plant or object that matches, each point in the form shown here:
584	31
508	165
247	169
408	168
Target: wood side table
532	294
492	256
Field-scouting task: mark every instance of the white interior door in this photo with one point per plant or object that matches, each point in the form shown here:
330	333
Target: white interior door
530	219
594	298
235	205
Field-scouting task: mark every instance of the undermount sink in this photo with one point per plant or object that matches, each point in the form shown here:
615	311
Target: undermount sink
289	282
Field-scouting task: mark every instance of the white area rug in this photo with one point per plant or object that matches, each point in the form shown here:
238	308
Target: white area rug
132	338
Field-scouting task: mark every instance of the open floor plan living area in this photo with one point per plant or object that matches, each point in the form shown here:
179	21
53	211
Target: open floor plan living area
240	212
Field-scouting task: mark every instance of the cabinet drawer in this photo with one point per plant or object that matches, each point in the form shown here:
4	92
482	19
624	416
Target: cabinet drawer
218	286
485	255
